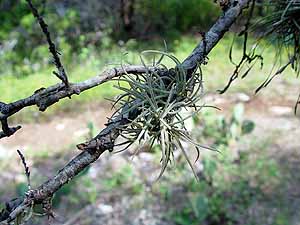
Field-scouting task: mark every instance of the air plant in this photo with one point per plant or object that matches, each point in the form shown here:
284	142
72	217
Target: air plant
156	99
282	26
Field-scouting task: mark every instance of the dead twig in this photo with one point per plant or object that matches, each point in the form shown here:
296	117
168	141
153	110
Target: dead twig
61	74
26	168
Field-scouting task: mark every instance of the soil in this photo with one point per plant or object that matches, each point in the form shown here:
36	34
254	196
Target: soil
270	116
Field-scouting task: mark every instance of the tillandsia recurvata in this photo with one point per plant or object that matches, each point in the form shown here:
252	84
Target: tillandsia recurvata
152	102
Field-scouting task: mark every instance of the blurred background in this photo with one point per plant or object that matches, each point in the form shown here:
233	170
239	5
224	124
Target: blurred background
254	180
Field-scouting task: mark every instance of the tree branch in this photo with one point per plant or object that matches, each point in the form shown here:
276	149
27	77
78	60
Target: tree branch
215	34
105	140
45	97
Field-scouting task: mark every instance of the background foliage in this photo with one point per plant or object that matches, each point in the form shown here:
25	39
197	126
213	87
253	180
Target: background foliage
79	26
254	180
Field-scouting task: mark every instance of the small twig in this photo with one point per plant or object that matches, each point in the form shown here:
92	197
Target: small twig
249	58
52	48
27	170
296	104
6	130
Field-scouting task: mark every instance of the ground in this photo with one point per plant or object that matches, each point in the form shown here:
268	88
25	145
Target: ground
140	201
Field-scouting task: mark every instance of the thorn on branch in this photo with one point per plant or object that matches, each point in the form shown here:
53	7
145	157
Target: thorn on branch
52	48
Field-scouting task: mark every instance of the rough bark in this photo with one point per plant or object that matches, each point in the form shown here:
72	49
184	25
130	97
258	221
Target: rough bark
105	140
214	35
45	97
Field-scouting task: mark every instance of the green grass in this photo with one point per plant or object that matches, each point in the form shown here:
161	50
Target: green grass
92	61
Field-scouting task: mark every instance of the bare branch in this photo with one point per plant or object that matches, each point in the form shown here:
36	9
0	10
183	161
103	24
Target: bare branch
52	48
43	98
105	140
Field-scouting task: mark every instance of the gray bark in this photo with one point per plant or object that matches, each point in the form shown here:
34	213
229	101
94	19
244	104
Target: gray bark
105	140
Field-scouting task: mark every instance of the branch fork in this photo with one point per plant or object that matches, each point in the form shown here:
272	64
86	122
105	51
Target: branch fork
92	149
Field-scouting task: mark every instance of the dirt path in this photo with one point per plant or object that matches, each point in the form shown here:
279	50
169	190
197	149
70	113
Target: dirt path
62	132
69	129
